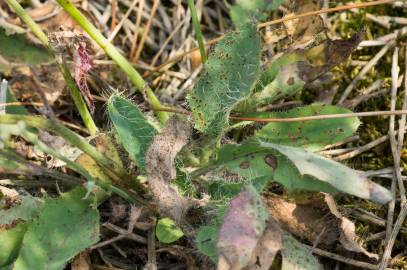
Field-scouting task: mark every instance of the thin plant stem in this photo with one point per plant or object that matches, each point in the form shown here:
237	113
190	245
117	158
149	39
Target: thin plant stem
34	27
73	88
326	10
109	167
198	31
262	25
33	138
300	119
113	53
78	99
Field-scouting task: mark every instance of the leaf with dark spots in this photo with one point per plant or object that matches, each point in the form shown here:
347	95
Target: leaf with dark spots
228	77
297	169
161	169
266	165
271	160
333	173
245	164
311	135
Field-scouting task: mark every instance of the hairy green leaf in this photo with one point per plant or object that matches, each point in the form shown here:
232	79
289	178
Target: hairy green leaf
245	11
133	129
311	135
17	49
228	77
167	231
206	239
64	227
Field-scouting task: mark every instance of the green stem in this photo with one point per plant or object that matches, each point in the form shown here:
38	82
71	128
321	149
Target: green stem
78	99
73	88
198	31
35	28
32	138
111	50
111	168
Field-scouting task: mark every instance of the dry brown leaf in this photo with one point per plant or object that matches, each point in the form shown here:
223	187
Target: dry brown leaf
41	11
303	31
326	55
106	147
52	83
160	168
317	221
61	146
62	18
300	32
81	262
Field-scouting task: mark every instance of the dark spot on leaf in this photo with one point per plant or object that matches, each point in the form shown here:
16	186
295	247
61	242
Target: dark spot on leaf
290	81
245	164
271	161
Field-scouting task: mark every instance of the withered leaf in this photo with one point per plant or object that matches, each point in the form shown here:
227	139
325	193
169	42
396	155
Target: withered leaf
249	239
325	56
242	227
306	30
316	220
160	168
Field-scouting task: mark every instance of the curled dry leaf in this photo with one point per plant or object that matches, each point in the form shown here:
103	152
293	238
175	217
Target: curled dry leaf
303	31
46	79
316	220
78	46
160	168
81	262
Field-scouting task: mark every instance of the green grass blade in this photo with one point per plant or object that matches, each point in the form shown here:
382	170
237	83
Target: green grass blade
198	31
73	88
111	50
